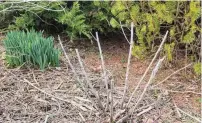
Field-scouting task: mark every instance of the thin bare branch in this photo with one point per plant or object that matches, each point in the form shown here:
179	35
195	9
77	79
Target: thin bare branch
93	36
71	66
29	5
42	7
146	110
65	100
150	81
153	74
128	65
103	70
83	119
124	33
145	73
73	69
112	102
35	78
46	119
123	119
171	75
179	114
119	113
173	91
7	8
25	80
195	118
88	81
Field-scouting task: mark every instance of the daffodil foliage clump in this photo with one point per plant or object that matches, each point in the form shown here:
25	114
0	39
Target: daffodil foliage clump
30	48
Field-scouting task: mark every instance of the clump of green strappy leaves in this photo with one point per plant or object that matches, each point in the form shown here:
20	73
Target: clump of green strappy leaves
30	48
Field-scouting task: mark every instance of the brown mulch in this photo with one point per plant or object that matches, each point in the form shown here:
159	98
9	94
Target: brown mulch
30	95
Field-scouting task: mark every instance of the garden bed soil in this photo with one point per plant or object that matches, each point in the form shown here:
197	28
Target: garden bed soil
30	95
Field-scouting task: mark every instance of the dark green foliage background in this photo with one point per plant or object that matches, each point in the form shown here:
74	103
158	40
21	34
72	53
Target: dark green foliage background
80	19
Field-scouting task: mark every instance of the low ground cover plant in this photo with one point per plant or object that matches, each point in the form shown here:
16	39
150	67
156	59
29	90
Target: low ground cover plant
30	48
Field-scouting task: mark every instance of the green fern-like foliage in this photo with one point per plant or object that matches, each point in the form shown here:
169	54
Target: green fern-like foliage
75	20
99	16
23	21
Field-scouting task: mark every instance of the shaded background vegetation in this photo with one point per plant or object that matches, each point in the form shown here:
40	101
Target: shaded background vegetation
81	19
